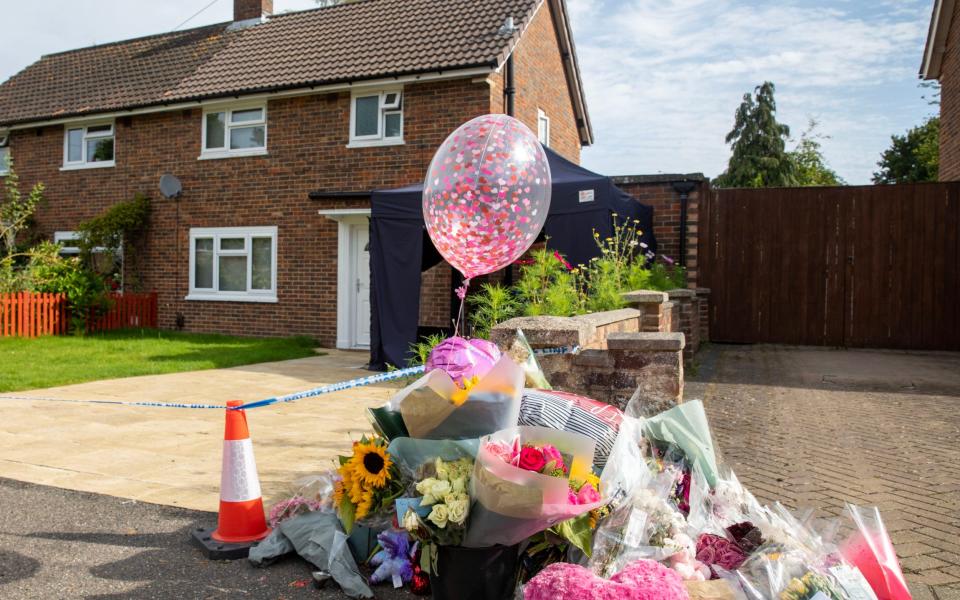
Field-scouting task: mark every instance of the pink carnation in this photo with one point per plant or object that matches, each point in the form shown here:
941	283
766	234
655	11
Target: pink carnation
640	580
550	453
588	494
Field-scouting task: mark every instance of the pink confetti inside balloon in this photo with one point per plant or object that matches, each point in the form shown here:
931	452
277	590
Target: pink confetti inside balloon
487	194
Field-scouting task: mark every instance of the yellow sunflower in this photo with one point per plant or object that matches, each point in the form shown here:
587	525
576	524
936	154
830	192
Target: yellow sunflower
365	504
371	465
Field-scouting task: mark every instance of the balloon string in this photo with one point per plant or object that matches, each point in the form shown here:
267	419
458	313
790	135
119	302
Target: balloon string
462	294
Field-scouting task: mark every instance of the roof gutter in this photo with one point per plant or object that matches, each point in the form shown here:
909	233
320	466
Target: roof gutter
283	91
571	67
940	22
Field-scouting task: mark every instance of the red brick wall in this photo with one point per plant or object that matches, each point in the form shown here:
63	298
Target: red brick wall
950	104
665	202
435	289
307	139
540	82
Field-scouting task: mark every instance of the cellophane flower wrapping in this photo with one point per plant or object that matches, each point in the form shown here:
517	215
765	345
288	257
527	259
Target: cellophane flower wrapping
511	503
870	550
524	356
647	525
685	426
431	407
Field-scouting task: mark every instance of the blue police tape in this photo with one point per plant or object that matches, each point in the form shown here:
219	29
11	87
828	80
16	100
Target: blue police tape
327	389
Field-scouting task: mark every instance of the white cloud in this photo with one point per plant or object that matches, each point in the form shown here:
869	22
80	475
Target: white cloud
663	77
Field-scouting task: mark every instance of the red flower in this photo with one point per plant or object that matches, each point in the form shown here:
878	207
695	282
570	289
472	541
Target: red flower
531	459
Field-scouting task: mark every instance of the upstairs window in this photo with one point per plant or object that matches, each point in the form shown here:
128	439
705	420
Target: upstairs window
543	127
4	154
88	146
234	132
233	263
376	118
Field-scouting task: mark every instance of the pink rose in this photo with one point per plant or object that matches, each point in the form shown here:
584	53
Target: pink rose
572	497
501	450
551	454
531	459
588	494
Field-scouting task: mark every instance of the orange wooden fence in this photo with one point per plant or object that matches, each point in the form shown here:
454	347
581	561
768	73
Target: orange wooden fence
126	310
27	314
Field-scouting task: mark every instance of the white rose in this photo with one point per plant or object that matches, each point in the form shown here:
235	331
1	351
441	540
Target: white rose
458	485
438	515
433	490
457	509
443	469
410	520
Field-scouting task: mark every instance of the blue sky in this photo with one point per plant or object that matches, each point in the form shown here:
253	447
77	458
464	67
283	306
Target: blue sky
662	77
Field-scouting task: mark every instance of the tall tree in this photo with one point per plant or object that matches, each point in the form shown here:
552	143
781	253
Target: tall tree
809	164
758	142
912	157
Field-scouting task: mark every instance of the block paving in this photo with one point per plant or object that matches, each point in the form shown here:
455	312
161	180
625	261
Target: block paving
819	428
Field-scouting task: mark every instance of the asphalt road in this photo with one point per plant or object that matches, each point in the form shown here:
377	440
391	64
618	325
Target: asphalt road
57	543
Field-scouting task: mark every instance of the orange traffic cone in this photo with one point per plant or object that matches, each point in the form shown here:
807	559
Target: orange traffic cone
241	506
241	520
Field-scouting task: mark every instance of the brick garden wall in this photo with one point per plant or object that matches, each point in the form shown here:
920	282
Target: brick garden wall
950	103
657	191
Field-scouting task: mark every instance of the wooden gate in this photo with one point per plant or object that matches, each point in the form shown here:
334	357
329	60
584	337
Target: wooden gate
870	266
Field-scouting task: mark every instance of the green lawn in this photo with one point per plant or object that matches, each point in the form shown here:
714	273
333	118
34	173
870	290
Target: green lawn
60	360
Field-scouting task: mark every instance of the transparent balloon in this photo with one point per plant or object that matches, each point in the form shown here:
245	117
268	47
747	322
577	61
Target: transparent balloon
487	194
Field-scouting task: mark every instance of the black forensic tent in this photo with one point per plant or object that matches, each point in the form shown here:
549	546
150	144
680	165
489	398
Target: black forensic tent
400	250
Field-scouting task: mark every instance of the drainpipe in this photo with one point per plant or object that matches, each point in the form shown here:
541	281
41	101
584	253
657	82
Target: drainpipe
683	188
509	91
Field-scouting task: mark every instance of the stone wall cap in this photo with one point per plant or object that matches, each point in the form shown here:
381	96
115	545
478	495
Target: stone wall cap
649	342
599	319
542	332
644	297
682	293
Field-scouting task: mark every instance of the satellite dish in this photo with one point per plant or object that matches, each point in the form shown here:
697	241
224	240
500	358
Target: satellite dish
170	186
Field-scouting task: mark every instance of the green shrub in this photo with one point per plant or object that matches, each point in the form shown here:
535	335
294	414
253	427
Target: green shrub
492	305
49	272
423	348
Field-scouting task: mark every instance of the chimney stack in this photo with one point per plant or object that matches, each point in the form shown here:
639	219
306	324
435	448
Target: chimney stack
246	10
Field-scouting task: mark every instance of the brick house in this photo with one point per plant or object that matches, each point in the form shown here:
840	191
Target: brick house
278	127
941	61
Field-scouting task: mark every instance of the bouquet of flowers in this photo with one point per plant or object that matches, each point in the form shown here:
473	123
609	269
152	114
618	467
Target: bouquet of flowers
528	479
439	515
438	406
369	483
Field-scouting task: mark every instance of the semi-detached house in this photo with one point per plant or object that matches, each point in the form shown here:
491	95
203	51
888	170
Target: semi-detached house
278	126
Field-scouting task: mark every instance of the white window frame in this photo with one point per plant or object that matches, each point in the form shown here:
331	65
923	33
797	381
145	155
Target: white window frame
543	127
4	153
84	163
64	237
217	233
228	110
363	141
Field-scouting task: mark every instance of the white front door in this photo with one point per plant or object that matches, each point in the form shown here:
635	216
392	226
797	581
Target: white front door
360	312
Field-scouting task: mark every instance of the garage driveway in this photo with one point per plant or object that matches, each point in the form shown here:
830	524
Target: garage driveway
172	456
815	427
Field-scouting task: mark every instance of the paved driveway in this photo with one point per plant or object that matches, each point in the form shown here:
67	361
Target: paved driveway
815	427
172	456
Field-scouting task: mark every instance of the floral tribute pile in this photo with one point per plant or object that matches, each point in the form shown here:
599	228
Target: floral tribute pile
555	511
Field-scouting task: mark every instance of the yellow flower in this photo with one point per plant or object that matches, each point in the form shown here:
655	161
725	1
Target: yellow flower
460	396
371	465
365	504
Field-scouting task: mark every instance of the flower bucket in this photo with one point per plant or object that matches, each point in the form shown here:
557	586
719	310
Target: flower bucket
475	573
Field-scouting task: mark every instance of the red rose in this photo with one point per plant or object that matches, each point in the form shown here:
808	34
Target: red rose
531	459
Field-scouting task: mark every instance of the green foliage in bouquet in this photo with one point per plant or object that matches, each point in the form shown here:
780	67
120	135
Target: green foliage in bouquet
808	586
